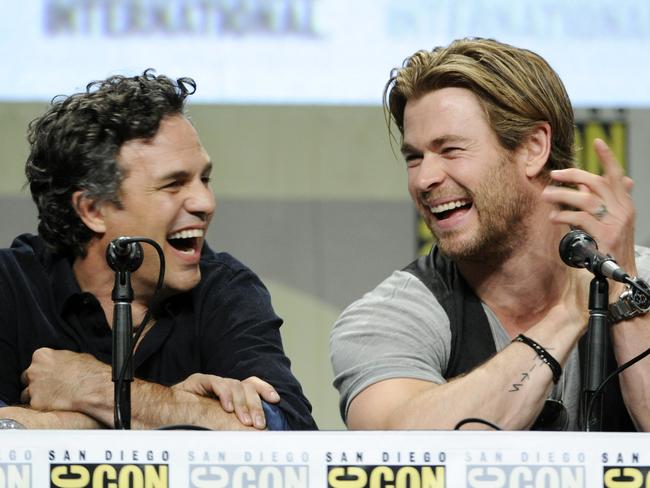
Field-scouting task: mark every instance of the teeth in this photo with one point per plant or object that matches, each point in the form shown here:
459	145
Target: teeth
186	234
448	206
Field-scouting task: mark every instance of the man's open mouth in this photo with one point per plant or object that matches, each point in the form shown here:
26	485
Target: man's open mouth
446	210
186	241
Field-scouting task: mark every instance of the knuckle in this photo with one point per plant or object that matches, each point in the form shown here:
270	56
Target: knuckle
216	380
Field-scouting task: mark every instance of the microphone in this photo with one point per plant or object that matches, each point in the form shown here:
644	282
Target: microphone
123	245
124	254
579	250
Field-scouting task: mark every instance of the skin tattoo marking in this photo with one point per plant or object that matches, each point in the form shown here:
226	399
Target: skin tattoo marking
525	376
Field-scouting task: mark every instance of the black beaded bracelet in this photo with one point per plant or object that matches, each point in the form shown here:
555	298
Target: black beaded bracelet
544	355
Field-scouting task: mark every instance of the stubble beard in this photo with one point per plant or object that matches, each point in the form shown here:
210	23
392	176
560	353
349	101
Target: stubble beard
502	206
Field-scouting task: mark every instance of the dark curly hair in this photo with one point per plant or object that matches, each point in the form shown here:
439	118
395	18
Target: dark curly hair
74	147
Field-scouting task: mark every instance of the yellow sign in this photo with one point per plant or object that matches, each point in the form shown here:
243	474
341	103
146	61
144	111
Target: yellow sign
109	476
386	476
626	477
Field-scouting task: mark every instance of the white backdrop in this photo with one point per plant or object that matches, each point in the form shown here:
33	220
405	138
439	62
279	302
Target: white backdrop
313	51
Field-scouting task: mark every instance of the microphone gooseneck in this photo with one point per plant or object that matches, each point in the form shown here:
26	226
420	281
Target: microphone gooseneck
124	254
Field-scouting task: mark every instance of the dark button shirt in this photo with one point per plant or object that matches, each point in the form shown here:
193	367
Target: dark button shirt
225	326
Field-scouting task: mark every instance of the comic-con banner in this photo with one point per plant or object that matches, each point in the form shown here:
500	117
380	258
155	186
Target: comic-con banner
329	459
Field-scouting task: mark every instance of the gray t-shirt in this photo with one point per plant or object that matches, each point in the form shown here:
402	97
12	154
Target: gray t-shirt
399	330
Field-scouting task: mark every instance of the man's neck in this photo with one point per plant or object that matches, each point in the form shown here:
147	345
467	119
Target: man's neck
521	286
95	276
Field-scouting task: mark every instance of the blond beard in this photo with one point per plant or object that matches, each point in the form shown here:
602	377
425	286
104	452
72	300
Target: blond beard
502	206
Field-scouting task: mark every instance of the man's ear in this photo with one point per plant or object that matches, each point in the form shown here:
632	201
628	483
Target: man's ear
89	211
537	149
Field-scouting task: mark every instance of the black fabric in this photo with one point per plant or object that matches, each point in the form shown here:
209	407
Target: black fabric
612	398
471	338
225	326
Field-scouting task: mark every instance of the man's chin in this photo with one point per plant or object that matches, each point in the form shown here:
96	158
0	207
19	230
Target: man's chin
461	249
182	282
480	251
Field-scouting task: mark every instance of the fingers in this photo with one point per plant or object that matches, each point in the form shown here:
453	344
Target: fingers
585	182
572	198
601	205
253	406
629	183
222	388
611	167
25	397
247	398
264	389
613	184
243	398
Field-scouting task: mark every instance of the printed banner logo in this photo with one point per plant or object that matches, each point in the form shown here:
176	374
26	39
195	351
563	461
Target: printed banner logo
626	476
248	476
109	475
385	476
500	476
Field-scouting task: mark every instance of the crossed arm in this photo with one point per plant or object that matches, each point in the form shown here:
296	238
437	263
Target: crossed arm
508	390
71	390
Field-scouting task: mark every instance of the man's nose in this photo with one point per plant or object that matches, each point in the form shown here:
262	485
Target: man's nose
200	200
431	172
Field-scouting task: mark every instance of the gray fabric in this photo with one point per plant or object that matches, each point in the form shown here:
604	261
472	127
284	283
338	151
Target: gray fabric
399	330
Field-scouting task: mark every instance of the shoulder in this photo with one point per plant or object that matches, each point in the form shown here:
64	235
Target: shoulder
399	296
211	259
225	278
401	312
27	252
222	267
398	330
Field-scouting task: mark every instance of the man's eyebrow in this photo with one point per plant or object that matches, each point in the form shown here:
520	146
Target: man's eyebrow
183	174
433	144
407	149
175	175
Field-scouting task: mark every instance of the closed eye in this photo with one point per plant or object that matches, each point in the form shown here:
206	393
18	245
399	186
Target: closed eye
412	159
173	184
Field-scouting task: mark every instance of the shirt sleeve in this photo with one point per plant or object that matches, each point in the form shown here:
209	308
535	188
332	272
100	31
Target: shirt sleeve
10	368
399	330
275	419
242	339
642	257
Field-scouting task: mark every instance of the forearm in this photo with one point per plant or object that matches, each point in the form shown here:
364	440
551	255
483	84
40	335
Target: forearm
631	338
154	406
35	419
509	390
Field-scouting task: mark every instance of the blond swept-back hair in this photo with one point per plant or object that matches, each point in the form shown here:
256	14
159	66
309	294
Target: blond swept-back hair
516	87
